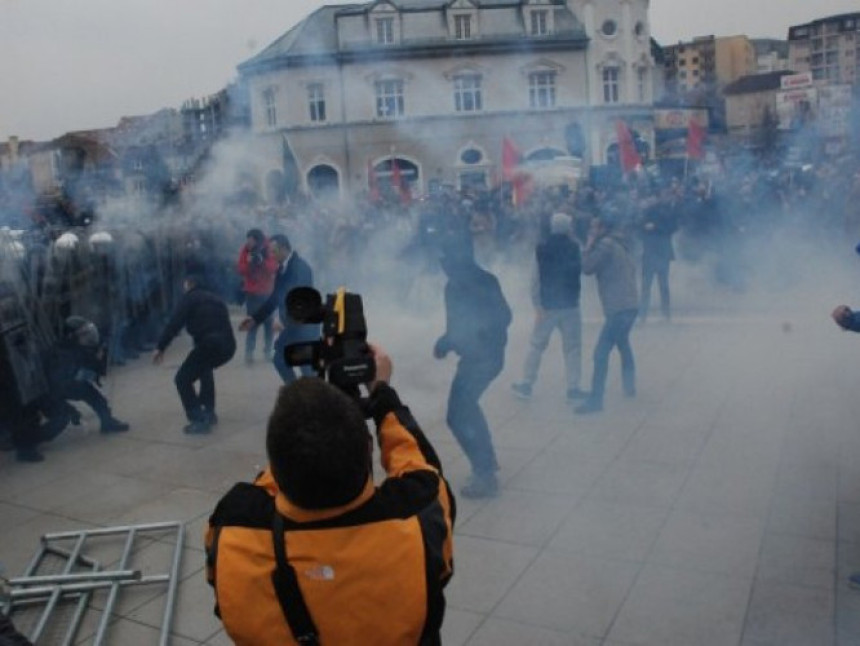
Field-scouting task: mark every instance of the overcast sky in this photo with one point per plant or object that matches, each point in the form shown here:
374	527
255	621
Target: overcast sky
78	64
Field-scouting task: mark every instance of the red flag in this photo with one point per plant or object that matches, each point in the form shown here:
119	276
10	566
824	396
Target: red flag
521	181
511	157
372	183
695	140
398	183
630	159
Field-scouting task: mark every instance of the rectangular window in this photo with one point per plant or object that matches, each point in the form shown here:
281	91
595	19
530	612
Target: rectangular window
271	109
542	90
467	93
463	27
538	23
316	101
641	83
389	99
610	84
385	31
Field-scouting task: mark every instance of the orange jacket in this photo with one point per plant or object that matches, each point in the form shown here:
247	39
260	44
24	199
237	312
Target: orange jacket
370	572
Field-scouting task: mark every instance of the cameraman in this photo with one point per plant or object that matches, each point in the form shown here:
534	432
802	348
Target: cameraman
313	551
257	267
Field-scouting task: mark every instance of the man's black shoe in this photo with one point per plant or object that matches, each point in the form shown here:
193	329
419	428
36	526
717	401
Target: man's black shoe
112	425
74	415
588	407
200	427
29	455
210	417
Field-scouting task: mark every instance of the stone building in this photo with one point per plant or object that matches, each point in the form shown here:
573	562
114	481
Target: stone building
438	84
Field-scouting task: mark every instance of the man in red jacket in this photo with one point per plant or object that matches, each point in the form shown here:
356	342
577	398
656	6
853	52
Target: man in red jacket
257	266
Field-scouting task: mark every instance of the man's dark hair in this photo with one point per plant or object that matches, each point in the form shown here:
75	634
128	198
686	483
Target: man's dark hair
317	443
256	234
281	240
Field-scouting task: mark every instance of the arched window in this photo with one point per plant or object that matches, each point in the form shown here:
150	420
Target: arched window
323	181
386	173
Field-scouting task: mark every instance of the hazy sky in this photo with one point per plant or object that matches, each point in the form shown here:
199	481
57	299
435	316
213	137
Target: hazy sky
77	64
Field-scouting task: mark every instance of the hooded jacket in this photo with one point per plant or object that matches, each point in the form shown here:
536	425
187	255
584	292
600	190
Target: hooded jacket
610	260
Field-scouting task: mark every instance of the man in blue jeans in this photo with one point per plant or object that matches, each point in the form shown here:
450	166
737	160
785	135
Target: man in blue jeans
608	257
293	271
477	319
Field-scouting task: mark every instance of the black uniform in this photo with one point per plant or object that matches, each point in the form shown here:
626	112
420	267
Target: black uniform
204	314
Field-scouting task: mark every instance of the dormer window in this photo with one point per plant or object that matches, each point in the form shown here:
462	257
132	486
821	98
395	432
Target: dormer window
463	27
539	22
385	31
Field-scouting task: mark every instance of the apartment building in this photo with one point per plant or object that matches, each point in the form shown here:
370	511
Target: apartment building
827	47
707	62
430	88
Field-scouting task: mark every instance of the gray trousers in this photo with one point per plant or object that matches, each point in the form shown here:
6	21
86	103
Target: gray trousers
568	321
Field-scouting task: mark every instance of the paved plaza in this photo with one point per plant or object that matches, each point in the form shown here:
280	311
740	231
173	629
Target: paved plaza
721	506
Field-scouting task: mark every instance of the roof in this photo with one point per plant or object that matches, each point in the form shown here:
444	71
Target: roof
756	83
316	36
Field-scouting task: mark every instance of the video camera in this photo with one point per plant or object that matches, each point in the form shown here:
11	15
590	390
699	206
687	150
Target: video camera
342	356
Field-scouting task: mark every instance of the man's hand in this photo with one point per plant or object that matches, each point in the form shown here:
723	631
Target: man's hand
842	316
442	347
277	326
157	357
384	367
246	324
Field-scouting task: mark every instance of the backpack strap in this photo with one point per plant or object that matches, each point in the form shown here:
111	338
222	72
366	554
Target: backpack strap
287	588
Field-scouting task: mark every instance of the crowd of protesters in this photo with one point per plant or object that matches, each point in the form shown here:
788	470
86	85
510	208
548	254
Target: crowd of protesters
126	278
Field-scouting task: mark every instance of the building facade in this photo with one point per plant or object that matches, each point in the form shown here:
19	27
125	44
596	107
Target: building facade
707	62
751	105
829	48
429	89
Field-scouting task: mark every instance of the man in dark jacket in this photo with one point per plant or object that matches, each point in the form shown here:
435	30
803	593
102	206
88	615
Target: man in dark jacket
658	223
477	319
204	314
293	271
607	256
75	368
555	295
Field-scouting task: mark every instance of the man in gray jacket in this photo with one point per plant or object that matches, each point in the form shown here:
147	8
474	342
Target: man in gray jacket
607	256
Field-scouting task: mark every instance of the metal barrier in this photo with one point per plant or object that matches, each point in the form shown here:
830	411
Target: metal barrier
48	590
